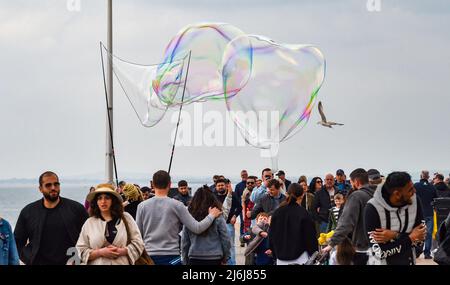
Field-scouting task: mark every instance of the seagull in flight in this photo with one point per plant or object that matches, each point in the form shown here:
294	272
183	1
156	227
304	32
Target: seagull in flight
324	119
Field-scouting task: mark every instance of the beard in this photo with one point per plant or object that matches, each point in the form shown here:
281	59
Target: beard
51	198
405	202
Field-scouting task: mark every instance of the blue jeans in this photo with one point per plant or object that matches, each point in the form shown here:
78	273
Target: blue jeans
323	227
429	237
232	260
165	259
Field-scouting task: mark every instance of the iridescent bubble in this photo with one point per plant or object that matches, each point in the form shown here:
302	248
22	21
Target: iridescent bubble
276	86
142	84
206	42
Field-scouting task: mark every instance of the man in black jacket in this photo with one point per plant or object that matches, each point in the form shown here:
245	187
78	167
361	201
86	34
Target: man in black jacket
393	219
426	193
47	228
441	188
270	201
286	182
183	193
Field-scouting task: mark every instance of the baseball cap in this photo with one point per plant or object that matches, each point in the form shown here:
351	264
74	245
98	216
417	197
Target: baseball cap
280	172
373	174
340	172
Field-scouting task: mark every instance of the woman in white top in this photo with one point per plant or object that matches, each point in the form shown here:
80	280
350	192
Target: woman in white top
104	239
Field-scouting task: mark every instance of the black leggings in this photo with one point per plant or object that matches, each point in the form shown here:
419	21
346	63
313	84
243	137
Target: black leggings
360	258
204	261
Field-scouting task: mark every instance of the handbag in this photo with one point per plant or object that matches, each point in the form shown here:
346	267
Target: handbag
144	259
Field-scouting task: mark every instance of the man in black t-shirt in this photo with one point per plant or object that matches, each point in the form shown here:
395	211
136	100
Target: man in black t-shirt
48	228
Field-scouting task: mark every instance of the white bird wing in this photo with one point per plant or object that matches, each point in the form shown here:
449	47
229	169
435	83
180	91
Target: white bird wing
322	115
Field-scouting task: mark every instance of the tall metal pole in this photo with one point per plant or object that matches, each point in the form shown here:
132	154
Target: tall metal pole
109	118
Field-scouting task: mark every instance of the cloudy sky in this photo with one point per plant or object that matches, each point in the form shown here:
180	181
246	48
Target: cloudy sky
387	80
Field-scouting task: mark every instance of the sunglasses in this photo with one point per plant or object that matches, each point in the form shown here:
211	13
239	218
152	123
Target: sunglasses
48	185
248	183
319	182
268	177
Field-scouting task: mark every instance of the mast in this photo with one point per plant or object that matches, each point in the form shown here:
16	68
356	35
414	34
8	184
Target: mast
109	117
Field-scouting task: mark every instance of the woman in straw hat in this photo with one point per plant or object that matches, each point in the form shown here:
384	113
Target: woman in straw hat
110	236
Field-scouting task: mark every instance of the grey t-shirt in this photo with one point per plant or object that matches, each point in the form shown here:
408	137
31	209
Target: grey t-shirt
160	219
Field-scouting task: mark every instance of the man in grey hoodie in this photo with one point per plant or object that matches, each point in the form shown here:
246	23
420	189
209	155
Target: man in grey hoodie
351	221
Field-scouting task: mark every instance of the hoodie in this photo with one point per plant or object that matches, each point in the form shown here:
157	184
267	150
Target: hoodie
351	221
379	213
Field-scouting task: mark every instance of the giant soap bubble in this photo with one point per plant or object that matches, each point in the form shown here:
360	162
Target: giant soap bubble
277	86
206	42
145	85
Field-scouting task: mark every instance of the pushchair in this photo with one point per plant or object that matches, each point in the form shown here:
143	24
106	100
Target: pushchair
318	258
442	208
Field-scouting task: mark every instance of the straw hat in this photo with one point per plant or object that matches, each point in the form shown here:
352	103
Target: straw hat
102	190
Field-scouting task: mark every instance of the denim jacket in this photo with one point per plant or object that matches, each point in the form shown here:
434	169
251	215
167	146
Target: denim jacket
8	250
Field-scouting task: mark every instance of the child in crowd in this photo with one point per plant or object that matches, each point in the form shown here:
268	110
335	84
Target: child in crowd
260	244
335	212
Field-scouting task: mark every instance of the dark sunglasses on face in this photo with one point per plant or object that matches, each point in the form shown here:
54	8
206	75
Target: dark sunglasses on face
268	177
48	185
319	181
249	183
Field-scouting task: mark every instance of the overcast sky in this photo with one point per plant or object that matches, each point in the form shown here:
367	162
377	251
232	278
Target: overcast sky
388	81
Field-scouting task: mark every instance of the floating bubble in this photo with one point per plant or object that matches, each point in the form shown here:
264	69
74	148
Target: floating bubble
142	84
206	42
276	86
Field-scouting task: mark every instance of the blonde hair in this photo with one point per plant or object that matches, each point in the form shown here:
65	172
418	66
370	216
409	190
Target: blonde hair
132	193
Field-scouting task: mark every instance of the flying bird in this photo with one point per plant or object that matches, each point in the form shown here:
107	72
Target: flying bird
324	119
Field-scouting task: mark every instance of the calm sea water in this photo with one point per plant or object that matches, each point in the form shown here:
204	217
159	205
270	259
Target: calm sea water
13	198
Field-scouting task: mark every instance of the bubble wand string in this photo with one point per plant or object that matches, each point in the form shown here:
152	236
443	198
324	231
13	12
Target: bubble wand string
179	114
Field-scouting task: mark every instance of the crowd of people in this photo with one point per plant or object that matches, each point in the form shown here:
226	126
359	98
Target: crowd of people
368	219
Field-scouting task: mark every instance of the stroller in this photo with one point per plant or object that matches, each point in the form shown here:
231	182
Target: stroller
318	258
442	208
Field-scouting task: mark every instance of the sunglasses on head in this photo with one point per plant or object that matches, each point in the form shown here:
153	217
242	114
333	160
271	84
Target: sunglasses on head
48	185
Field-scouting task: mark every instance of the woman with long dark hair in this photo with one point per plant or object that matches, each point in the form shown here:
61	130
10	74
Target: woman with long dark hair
110	236
315	185
292	234
213	246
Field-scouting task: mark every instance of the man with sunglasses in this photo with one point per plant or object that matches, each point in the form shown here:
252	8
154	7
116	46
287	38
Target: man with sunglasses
47	228
257	194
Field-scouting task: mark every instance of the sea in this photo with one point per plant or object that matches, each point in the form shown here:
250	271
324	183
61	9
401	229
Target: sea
13	198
